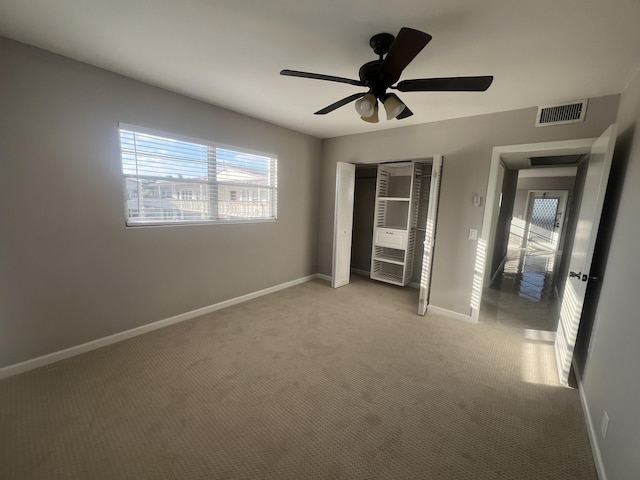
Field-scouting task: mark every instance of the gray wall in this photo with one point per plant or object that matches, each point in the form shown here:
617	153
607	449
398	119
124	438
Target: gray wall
538	183
612	366
466	144
70	270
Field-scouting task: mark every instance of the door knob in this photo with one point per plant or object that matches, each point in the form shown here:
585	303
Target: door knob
575	275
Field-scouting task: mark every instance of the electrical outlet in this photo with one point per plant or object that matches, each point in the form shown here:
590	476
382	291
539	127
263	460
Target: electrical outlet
605	424
473	234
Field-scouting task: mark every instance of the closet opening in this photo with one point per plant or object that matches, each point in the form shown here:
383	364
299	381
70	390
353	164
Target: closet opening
394	219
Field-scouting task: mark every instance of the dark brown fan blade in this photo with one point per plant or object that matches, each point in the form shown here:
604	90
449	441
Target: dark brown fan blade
318	76
451	84
340	103
405	47
405	112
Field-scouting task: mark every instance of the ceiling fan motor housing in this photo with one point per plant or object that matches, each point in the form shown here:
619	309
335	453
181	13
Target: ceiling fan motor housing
370	72
370	76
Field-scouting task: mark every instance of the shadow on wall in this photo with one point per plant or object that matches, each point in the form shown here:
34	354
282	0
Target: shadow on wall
619	166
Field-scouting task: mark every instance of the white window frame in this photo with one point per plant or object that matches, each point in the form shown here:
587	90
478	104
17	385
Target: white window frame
136	222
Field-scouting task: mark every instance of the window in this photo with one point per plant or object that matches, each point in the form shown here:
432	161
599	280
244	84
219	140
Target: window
177	180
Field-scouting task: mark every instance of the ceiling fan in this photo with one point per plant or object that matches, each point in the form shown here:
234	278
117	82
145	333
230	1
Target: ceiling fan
395	53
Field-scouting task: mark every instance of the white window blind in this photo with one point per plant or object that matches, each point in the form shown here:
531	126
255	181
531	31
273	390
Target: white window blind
175	180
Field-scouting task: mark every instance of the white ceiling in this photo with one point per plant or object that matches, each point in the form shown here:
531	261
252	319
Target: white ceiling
229	52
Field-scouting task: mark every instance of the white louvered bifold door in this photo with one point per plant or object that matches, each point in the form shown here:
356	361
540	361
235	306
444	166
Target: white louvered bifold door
430	234
343	223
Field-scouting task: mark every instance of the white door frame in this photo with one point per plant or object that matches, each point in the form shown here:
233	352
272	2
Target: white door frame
491	205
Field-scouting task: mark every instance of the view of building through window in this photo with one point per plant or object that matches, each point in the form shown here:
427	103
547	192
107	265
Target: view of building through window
175	181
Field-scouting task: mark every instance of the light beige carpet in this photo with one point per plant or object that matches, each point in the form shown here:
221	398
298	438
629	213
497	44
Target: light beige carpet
309	382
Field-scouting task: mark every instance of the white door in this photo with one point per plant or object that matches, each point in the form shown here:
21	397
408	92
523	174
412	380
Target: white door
430	234
545	219
582	253
343	224
558	232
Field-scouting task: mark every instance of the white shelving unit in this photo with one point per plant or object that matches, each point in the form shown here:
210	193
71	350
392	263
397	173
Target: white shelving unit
396	215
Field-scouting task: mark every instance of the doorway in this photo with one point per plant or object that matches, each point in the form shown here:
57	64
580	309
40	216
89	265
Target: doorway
542	223
545	220
522	292
512	172
593	158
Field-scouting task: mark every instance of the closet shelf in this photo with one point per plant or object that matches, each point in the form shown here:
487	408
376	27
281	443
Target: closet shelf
397	195
389	259
388	278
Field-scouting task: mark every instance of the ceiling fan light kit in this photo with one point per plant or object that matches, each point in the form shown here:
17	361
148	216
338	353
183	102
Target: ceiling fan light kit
373	118
394	53
365	105
393	107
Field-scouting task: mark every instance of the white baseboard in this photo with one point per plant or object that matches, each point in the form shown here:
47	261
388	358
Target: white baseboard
17	368
591	429
450	313
324	277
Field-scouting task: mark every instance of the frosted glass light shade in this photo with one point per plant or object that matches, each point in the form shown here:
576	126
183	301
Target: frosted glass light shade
393	107
373	118
366	105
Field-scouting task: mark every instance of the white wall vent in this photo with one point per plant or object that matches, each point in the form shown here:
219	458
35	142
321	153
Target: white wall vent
571	112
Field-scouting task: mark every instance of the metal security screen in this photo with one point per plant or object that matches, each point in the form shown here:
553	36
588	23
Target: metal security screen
169	181
543	221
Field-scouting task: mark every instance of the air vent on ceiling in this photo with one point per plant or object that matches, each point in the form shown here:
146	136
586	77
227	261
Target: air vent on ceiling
563	113
555	161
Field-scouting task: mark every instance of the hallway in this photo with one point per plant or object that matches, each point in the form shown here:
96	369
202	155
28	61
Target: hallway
522	295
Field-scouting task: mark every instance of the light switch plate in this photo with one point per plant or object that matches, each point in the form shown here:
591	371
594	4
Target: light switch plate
473	234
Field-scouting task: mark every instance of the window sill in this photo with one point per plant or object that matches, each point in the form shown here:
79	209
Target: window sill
198	224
